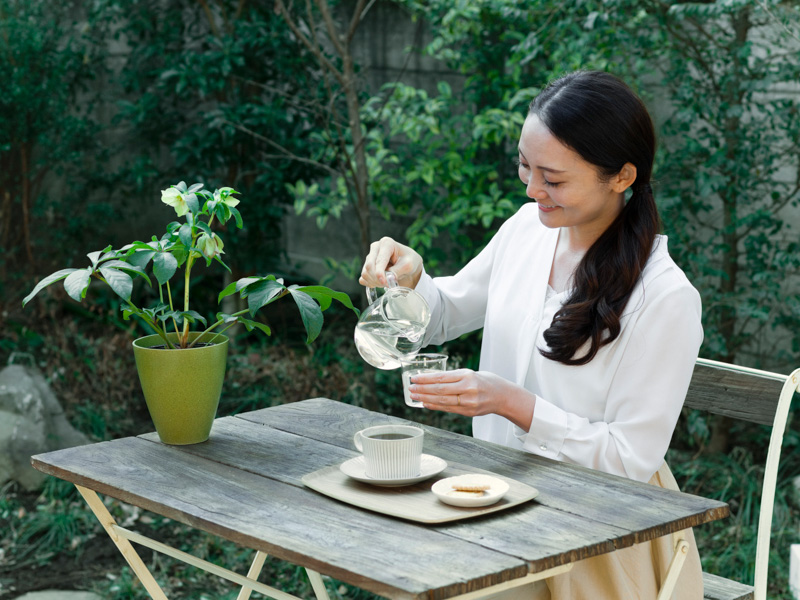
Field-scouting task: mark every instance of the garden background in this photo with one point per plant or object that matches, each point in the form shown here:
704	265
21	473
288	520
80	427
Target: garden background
340	122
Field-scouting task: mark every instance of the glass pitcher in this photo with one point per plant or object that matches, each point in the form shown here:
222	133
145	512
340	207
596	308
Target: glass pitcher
393	325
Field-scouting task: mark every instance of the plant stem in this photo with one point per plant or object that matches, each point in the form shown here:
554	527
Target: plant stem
187	279
152	324
212	326
174	320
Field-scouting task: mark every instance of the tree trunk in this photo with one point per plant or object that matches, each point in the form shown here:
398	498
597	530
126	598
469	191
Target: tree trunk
720	427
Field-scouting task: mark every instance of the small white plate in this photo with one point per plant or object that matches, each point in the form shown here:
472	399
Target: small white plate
445	492
357	469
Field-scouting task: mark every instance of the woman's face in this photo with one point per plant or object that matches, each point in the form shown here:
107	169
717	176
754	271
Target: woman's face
569	190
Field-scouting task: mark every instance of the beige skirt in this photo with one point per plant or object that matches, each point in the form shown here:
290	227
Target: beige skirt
633	573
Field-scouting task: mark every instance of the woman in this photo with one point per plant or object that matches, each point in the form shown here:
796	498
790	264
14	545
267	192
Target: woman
590	330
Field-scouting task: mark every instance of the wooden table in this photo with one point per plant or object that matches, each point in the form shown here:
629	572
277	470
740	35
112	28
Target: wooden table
244	485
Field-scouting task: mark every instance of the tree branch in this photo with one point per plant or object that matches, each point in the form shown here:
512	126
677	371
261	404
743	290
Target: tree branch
210	17
286	153
226	22
240	9
358	15
313	48
763	5
330	25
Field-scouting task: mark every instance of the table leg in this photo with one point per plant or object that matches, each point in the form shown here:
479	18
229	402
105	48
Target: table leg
123	537
319	586
675	566
255	570
124	546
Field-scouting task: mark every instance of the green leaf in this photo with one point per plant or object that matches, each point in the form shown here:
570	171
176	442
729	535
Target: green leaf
192	202
120	282
185	234
250	325
164	267
95	256
166	315
237	286
52	278
325	296
140	258
310	312
128	268
192	316
222	212
220	261
237	216
262	293
181	253
77	283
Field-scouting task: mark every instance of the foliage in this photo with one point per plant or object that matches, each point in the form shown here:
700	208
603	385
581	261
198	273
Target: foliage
180	247
730	168
445	157
213	90
341	141
728	547
49	54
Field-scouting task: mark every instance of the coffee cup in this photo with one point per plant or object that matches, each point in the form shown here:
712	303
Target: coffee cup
391	451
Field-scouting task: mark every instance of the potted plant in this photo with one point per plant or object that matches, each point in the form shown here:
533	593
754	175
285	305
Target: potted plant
181	363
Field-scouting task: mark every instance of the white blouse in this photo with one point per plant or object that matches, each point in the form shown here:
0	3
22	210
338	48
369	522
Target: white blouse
615	414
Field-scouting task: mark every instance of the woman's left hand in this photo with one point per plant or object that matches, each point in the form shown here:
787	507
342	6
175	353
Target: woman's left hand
473	393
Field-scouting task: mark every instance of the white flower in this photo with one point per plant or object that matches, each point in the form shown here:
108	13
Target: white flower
173	198
224	195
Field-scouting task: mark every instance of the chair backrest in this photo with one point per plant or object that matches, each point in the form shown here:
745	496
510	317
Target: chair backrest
758	397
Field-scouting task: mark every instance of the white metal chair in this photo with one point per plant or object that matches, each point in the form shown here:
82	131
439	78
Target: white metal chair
758	397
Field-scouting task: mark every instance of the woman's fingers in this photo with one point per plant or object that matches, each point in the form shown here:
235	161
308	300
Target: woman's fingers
380	258
451	391
388	255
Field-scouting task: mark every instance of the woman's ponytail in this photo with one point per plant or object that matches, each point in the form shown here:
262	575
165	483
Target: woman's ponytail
599	117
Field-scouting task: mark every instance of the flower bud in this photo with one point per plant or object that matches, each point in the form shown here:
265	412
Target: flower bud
210	245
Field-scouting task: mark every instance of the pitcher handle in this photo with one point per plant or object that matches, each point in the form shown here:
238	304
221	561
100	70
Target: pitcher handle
391	281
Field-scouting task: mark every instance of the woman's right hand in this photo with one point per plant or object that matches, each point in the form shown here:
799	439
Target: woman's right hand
388	255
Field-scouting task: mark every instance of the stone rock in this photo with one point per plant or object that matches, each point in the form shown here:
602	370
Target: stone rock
31	422
59	595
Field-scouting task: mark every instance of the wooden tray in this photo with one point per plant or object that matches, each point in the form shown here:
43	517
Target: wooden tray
414	502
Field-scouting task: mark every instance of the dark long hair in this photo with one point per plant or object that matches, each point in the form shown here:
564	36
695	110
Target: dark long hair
599	117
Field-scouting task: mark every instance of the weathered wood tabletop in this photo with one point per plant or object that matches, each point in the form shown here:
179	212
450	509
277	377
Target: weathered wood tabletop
244	484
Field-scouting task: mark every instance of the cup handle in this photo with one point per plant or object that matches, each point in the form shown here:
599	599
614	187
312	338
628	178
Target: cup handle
357	441
391	281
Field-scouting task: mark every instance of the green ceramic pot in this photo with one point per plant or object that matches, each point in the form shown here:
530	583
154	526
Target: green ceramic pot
181	387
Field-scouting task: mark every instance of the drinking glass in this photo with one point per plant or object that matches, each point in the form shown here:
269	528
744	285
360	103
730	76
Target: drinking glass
421	363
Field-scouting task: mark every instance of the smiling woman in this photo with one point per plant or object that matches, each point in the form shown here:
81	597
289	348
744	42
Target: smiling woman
590	330
600	135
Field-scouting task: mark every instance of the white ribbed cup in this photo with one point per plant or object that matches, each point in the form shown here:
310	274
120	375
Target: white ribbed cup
391	458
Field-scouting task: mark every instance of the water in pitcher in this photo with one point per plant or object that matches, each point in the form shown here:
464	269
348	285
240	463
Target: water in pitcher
383	345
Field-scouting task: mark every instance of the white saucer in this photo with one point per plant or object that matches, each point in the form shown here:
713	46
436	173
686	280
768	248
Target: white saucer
356	469
445	492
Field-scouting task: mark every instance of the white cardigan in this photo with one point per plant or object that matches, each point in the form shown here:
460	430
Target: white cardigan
615	414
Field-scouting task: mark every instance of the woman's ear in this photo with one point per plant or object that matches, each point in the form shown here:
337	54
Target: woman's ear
624	179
